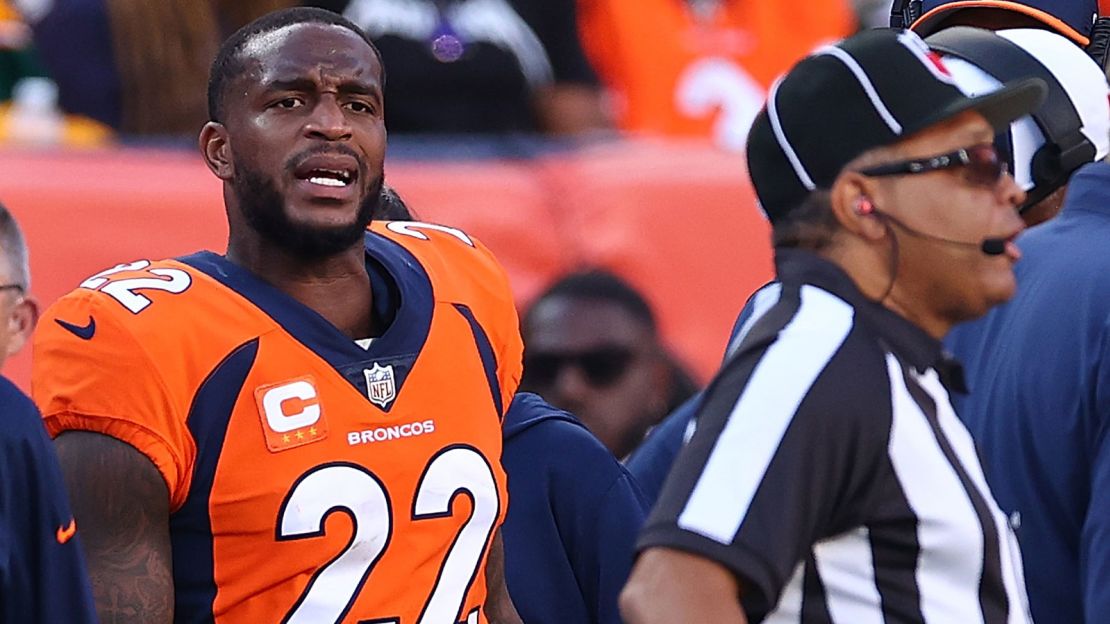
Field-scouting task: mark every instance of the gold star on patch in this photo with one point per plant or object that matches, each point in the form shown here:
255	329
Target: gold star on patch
312	431
300	435
285	438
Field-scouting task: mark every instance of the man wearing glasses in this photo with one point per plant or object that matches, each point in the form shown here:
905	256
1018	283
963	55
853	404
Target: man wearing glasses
42	568
591	347
828	479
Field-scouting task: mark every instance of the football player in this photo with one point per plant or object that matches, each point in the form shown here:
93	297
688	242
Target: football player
307	428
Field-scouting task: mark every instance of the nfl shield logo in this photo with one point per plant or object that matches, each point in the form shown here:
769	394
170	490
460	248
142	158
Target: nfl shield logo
380	386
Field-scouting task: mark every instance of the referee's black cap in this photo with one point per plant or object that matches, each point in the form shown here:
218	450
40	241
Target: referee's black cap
868	91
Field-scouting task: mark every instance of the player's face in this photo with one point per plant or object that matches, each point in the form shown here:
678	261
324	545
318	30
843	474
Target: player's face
948	282
307	138
598	362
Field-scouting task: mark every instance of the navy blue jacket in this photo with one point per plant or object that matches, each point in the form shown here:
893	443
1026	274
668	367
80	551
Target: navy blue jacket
42	569
574	513
1039	407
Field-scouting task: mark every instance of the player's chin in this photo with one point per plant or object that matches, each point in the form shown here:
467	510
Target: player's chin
324	213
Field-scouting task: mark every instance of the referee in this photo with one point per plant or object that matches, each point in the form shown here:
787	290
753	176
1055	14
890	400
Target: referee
828	479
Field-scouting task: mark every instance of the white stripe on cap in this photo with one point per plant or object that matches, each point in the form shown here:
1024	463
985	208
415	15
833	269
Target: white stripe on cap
780	136
865	82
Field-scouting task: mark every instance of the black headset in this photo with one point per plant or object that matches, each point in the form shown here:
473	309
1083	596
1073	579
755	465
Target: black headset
904	13
1066	148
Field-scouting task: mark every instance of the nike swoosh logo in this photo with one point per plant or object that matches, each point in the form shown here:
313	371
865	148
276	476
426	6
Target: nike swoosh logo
84	332
64	534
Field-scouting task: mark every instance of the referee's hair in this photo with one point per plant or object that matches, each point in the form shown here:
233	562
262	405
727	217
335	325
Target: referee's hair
14	248
599	285
229	64
809	225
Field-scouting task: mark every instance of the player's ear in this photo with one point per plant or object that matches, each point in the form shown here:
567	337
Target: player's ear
21	323
215	149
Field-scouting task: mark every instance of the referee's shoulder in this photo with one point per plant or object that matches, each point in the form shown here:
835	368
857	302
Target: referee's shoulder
813	344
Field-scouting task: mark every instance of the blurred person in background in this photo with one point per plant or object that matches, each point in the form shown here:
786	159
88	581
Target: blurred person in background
483	66
1039	366
701	68
42	566
29	112
136	66
592	348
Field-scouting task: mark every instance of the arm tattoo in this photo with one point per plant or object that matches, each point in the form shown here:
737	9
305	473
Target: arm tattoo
121	505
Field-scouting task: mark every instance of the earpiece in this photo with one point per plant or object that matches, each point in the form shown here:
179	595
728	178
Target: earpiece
864	206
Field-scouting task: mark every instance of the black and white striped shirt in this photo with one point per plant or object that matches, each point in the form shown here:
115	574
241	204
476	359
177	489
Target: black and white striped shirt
830	474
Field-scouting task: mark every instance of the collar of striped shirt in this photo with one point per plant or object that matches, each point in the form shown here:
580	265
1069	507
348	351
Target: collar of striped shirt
907	340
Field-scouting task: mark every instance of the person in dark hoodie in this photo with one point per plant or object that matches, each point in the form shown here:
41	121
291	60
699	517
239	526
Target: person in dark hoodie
574	511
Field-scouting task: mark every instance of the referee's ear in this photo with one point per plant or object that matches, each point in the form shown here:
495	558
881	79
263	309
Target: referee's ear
852	202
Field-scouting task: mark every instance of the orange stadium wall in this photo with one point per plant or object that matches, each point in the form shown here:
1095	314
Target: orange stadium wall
678	220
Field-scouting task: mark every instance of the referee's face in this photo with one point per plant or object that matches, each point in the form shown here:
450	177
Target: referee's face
944	282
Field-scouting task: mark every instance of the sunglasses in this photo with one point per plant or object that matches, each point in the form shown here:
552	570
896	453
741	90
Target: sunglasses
601	367
981	164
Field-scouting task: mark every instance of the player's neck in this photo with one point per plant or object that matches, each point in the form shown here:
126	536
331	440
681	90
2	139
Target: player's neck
336	287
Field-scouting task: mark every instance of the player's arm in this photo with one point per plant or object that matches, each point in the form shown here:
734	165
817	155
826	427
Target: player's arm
121	503
499	606
669	585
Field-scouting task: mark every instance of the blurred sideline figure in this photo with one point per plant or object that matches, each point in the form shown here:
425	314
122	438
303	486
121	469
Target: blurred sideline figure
136	66
483	66
700	68
42	567
591	348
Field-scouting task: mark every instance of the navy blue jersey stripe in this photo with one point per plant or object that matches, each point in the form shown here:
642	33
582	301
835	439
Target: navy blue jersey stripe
489	358
191	526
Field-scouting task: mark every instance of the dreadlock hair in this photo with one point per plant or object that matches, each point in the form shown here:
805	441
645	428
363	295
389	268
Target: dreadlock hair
229	63
162	51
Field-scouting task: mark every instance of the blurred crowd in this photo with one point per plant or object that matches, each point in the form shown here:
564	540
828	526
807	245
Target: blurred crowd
86	72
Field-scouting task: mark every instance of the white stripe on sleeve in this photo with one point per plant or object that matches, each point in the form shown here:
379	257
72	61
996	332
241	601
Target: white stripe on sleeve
759	419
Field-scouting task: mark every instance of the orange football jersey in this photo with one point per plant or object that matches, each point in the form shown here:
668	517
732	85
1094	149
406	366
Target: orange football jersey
310	479
676	72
